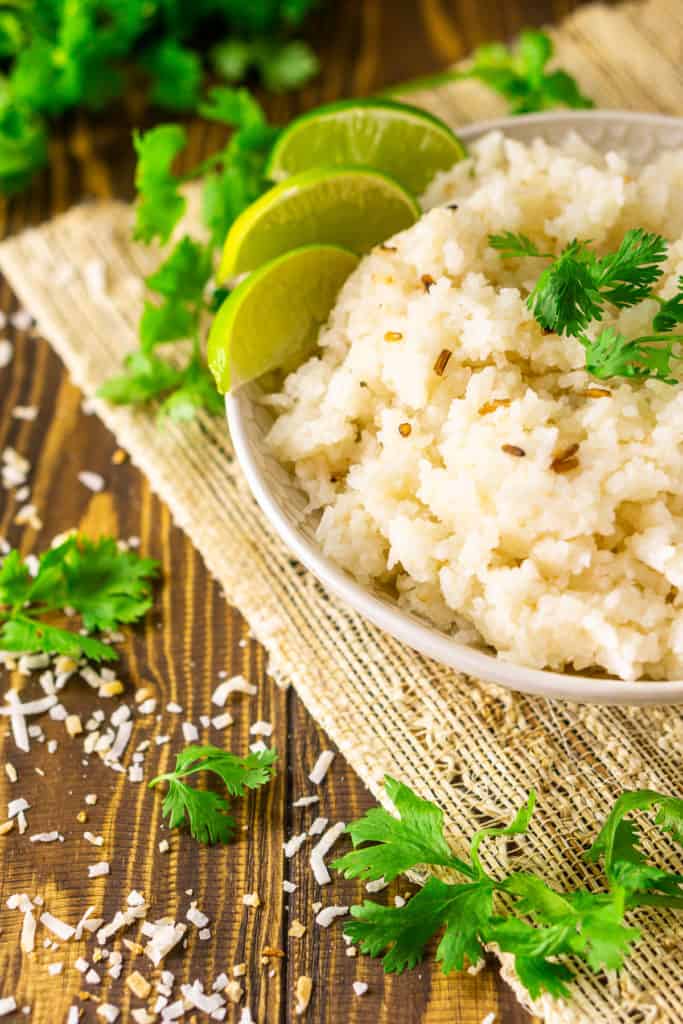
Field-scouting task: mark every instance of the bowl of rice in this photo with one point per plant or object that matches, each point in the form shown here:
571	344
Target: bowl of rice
452	471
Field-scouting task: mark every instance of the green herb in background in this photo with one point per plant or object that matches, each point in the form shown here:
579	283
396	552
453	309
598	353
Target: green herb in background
231	179
106	587
205	812
56	55
573	290
521	913
519	73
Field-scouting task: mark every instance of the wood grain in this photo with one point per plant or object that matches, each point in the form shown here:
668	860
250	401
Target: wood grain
192	635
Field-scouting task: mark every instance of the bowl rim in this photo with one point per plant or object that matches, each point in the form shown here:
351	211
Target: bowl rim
423	637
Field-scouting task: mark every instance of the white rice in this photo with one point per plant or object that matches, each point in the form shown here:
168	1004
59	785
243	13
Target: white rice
551	569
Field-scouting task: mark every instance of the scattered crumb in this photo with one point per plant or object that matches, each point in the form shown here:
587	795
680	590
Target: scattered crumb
360	987
296	929
251	899
138	985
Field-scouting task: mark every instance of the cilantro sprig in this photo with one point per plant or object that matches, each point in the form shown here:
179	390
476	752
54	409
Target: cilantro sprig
578	285
519	912
205	812
520	74
180	289
58	55
106	587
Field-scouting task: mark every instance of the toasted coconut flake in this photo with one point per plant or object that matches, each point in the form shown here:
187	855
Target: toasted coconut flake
251	899
296	929
304	988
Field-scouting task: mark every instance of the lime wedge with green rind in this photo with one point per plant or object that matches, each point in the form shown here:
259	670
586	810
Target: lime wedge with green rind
271	320
353	207
402	141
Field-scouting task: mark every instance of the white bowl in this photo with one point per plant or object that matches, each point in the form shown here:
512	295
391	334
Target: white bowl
640	137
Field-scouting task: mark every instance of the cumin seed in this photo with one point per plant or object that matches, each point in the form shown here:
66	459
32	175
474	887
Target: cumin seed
404	429
393	336
513	449
427	281
388	248
565	466
565	461
597	393
442	361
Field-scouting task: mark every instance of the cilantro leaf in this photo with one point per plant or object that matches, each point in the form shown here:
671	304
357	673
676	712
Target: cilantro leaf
282	65
169	321
670	312
509	243
238	773
539	975
160	205
146	377
235	107
566	298
205	812
107	587
415	837
610	354
196	390
405	931
618	842
26	635
176	73
184	273
23	146
626	276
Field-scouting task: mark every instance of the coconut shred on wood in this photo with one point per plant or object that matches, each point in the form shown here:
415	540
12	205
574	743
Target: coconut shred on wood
107	734
530	507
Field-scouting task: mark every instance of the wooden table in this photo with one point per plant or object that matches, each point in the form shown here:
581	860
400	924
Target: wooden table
192	635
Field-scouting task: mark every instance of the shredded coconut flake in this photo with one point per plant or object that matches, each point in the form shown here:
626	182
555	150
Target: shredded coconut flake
322	875
327	915
321	767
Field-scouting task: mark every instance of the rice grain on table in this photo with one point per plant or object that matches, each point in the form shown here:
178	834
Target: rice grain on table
469	465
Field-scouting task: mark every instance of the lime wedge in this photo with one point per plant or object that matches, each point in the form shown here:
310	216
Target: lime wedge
403	141
353	207
271	320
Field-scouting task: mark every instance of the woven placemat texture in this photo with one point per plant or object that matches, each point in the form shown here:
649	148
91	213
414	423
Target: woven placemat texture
474	748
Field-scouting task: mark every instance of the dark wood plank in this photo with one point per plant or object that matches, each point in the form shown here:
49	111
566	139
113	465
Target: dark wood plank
192	635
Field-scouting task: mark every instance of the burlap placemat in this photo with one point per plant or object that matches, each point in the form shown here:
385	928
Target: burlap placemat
474	748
